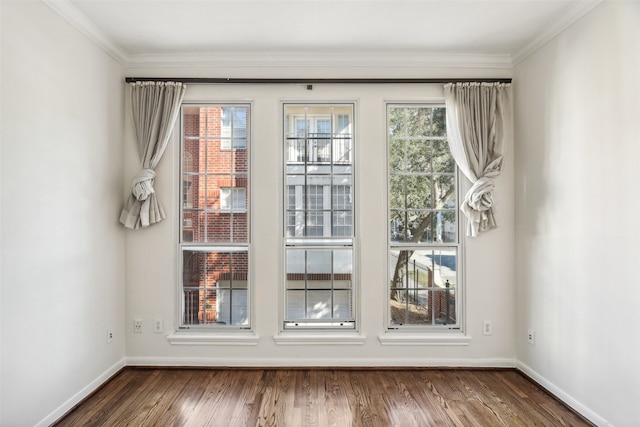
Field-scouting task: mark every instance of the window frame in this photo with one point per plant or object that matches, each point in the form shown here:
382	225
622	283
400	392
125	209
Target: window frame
311	242
231	247
458	327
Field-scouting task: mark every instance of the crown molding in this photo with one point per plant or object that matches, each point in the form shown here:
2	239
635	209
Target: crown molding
577	10
349	59
275	59
390	59
69	12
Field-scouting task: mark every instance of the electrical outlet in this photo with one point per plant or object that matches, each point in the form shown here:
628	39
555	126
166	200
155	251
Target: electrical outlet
531	337
157	326
137	326
486	327
109	336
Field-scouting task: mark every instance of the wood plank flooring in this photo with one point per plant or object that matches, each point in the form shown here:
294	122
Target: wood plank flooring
320	397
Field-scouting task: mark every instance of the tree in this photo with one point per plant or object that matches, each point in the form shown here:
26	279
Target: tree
422	180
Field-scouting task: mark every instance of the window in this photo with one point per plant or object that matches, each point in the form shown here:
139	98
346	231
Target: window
214	216
233	128
233	198
423	220
318	189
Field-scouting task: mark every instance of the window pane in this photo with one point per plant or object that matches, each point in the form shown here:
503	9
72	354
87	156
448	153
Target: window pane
417	192
215	287
423	286
397	192
319	305
191	122
422	218
397	155
190	188
319	262
342	305
418	155
215	165
443	161
439	128
418	121
421	226
318	207
240	161
319	283
396	121
296	305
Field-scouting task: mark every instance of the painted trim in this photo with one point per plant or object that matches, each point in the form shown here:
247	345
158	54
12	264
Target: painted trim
293	338
320	362
439	339
577	10
563	396
286	59
94	385
222	338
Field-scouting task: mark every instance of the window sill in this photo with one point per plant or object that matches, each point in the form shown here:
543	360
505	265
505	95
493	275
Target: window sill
213	338
404	338
350	338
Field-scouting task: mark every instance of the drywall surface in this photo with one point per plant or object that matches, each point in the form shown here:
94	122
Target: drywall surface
152	254
62	247
577	168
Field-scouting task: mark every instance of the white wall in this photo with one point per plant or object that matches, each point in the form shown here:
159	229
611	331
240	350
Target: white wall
151	253
577	233
62	248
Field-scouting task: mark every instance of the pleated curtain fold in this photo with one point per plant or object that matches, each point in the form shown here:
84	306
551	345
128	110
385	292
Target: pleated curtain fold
155	107
478	122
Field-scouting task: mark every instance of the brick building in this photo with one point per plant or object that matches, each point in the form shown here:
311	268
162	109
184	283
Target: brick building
214	212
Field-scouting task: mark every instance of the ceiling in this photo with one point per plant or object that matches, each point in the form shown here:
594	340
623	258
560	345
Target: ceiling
138	32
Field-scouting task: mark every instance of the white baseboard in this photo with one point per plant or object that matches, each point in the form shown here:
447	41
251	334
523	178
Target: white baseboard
321	362
82	394
563	396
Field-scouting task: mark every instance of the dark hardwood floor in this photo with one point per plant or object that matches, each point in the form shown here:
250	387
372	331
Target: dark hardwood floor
320	397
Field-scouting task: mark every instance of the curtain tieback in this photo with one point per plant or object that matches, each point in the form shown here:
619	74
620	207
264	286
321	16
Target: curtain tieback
142	184
480	196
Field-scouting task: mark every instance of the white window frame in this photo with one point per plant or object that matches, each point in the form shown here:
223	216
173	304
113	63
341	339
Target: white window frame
315	243
195	334
452	334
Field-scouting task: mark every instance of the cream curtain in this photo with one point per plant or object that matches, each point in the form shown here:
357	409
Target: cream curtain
478	121
155	107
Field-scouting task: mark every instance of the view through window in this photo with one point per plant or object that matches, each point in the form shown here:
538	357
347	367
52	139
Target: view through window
318	205
214	219
423	219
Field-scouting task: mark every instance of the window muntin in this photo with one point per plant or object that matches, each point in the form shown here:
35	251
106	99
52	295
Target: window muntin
318	188
423	219
214	216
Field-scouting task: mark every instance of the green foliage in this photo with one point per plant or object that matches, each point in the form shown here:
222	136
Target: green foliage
422	169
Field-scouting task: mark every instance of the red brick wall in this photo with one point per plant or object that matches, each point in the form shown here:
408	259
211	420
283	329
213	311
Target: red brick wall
204	221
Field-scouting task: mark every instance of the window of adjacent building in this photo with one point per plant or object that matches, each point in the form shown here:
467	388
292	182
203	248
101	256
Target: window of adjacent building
214	216
318	214
233	198
424	248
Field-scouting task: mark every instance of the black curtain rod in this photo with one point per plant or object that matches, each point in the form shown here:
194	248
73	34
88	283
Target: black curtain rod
215	80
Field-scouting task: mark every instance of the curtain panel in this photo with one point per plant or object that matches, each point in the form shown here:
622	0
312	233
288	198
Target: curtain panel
155	107
478	121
